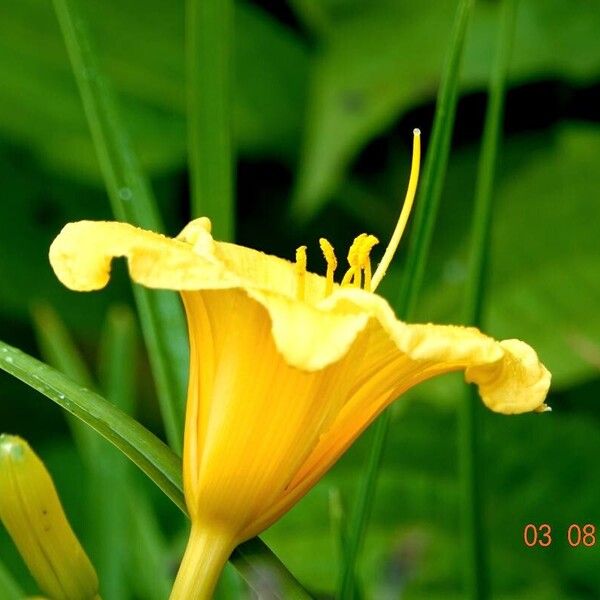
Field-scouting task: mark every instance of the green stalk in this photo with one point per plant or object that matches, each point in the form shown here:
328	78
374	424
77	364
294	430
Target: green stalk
209	38
426	209
147	555
112	480
161	314
469	429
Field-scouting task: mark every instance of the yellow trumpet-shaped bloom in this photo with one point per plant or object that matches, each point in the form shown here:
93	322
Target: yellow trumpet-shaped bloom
287	367
32	513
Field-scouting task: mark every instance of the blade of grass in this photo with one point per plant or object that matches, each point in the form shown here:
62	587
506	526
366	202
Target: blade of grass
251	558
161	314
148	556
9	588
142	447
209	39
60	351
112	481
469	428
426	209
151	455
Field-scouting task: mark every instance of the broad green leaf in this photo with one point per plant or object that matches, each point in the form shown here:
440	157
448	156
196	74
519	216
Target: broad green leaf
380	58
141	46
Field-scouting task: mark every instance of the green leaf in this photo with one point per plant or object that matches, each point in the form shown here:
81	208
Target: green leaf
143	448
112	478
141	47
382	57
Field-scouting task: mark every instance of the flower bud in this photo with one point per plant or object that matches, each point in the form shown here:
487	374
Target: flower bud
32	513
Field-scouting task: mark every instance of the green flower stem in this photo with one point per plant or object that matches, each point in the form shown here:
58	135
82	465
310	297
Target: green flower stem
143	448
209	38
161	314
425	214
469	429
113	477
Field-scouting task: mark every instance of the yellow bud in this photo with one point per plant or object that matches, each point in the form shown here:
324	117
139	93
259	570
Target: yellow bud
32	513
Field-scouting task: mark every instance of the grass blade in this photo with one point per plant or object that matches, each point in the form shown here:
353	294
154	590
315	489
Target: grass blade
253	561
161	314
468	440
151	455
108	487
148	557
426	209
58	350
112	478
143	448
209	38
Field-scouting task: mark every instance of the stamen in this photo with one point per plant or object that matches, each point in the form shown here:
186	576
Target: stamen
364	259
329	254
353	274
404	214
300	271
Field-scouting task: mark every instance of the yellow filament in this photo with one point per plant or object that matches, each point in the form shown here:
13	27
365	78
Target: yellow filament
364	259
404	214
300	271
329	254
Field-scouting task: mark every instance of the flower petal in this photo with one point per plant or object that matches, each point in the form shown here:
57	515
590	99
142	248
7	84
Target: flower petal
509	375
252	418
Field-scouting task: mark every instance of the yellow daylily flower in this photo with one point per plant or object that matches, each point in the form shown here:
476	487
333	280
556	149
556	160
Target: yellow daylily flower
287	367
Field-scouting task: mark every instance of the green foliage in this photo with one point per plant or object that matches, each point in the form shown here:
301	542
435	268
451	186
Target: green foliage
141	44
325	95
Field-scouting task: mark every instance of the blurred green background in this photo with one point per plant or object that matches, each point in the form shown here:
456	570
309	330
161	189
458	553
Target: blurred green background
327	93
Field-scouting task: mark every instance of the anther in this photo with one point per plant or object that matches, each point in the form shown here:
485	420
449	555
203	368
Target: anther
353	274
364	259
329	254
300	271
